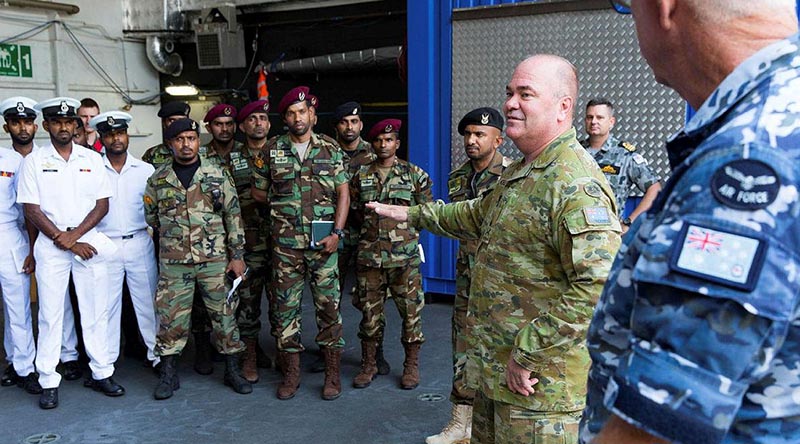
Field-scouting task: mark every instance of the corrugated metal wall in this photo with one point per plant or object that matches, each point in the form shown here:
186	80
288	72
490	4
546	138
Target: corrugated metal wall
601	44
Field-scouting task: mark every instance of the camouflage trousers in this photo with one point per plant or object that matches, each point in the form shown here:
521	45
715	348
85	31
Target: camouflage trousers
291	268
176	288
462	391
405	286
347	262
495	422
248	316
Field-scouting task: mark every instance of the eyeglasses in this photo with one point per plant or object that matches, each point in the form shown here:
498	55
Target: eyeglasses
621	6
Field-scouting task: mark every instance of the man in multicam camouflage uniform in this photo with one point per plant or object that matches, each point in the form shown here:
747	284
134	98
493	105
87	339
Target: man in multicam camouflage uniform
388	256
302	176
482	129
547	233
696	338
623	166
192	204
171	111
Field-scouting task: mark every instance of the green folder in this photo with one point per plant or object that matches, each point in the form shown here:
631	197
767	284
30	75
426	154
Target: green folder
320	229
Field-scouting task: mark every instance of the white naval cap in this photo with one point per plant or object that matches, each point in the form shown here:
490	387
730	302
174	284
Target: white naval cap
110	120
18	108
59	107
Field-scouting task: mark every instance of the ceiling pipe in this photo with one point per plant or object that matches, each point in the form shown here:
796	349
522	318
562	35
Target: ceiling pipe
374	58
159	53
39	4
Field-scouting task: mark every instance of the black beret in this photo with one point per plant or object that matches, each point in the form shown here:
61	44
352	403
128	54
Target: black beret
481	116
346	109
180	126
174	109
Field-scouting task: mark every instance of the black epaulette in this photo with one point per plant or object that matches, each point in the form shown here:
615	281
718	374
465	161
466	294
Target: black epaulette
627	146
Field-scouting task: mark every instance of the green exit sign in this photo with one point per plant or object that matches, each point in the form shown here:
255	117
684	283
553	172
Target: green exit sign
15	61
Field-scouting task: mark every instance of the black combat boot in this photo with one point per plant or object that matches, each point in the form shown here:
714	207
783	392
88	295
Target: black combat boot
233	377
168	378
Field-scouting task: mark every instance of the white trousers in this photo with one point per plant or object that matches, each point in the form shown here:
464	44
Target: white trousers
91	286
16	287
135	262
69	337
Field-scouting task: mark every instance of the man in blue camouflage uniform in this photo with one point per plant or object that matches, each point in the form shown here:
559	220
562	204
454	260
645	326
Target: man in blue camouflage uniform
623	166
696	338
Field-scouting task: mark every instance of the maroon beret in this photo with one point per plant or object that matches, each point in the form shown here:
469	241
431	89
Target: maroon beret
295	95
385	126
259	106
221	110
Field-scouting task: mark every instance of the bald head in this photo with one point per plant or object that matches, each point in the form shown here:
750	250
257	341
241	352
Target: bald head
561	73
692	45
540	101
721	11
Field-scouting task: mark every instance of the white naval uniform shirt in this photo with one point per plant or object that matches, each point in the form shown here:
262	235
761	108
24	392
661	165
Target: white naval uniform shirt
126	207
10	165
66	191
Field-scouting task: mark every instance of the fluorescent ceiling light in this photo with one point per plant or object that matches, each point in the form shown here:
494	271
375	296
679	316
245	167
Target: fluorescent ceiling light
181	90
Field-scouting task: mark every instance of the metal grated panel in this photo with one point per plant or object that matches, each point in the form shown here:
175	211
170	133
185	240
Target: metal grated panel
601	44
209	54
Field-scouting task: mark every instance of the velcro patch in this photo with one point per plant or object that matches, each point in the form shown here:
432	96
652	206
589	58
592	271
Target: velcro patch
597	216
745	184
639	159
719	256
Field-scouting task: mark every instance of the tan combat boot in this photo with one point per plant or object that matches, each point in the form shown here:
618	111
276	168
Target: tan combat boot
368	366
410	378
458	430
249	367
290	364
333	384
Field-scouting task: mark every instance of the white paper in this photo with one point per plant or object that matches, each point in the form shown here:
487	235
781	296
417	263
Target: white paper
105	247
421	253
19	254
234	286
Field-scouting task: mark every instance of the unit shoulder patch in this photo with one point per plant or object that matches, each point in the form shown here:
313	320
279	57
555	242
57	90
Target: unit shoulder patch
745	184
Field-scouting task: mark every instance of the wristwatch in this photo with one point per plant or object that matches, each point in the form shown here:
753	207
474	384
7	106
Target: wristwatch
626	221
339	232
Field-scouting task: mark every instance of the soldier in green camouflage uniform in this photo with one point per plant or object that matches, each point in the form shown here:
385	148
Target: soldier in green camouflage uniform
623	166
171	111
547	236
302	176
238	159
193	206
482	129
388	256
356	152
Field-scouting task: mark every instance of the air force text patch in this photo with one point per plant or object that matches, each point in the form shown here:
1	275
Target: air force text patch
745	184
718	256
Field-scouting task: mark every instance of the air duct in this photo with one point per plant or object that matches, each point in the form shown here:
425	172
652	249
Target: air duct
39	4
159	52
375	58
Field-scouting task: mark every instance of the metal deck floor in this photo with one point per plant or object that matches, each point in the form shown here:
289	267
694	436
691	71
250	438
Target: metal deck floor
206	411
